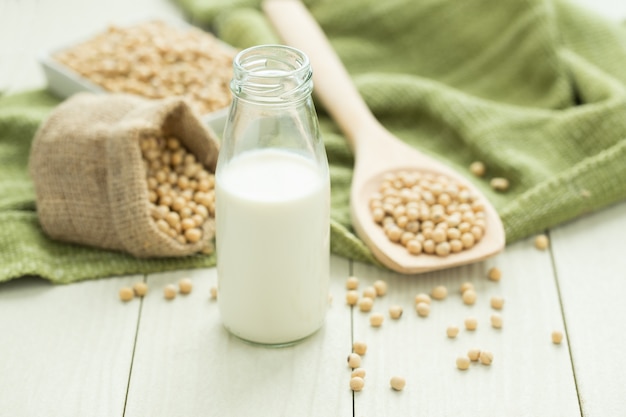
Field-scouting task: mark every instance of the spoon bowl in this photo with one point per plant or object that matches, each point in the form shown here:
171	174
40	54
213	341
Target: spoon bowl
377	151
366	181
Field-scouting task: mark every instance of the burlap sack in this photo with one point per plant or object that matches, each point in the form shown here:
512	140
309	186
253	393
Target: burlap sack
89	176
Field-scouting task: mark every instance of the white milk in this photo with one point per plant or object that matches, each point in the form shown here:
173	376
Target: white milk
272	214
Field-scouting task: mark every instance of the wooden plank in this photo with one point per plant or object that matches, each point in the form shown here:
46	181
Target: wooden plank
590	261
66	350
187	364
529	375
611	9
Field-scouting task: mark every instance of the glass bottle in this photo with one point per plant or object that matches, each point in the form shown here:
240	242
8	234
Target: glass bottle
272	202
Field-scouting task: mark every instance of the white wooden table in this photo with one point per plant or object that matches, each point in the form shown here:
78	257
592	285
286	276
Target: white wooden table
76	350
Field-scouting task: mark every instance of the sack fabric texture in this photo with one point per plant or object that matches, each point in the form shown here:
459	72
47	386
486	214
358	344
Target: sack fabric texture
89	176
536	89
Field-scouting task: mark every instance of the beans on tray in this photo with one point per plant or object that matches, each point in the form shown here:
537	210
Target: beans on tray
156	60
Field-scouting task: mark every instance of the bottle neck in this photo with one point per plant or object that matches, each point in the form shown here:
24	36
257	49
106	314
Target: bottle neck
271	74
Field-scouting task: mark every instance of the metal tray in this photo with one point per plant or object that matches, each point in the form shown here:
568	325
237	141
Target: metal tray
64	82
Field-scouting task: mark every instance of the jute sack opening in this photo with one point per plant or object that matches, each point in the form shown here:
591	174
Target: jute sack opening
89	175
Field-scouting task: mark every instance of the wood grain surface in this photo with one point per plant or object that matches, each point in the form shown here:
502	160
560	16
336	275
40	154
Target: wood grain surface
77	350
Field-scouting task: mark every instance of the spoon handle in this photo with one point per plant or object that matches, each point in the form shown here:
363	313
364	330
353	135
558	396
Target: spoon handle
332	83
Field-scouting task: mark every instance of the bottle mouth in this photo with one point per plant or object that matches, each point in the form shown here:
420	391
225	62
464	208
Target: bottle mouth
272	74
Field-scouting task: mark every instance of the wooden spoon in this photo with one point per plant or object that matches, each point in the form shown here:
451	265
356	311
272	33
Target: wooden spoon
376	150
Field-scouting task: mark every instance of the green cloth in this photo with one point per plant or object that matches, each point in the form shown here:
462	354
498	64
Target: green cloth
536	89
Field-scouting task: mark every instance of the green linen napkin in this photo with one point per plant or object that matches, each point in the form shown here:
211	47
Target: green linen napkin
536	89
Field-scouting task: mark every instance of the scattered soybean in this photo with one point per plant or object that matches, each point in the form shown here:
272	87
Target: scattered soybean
397	383
126	294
